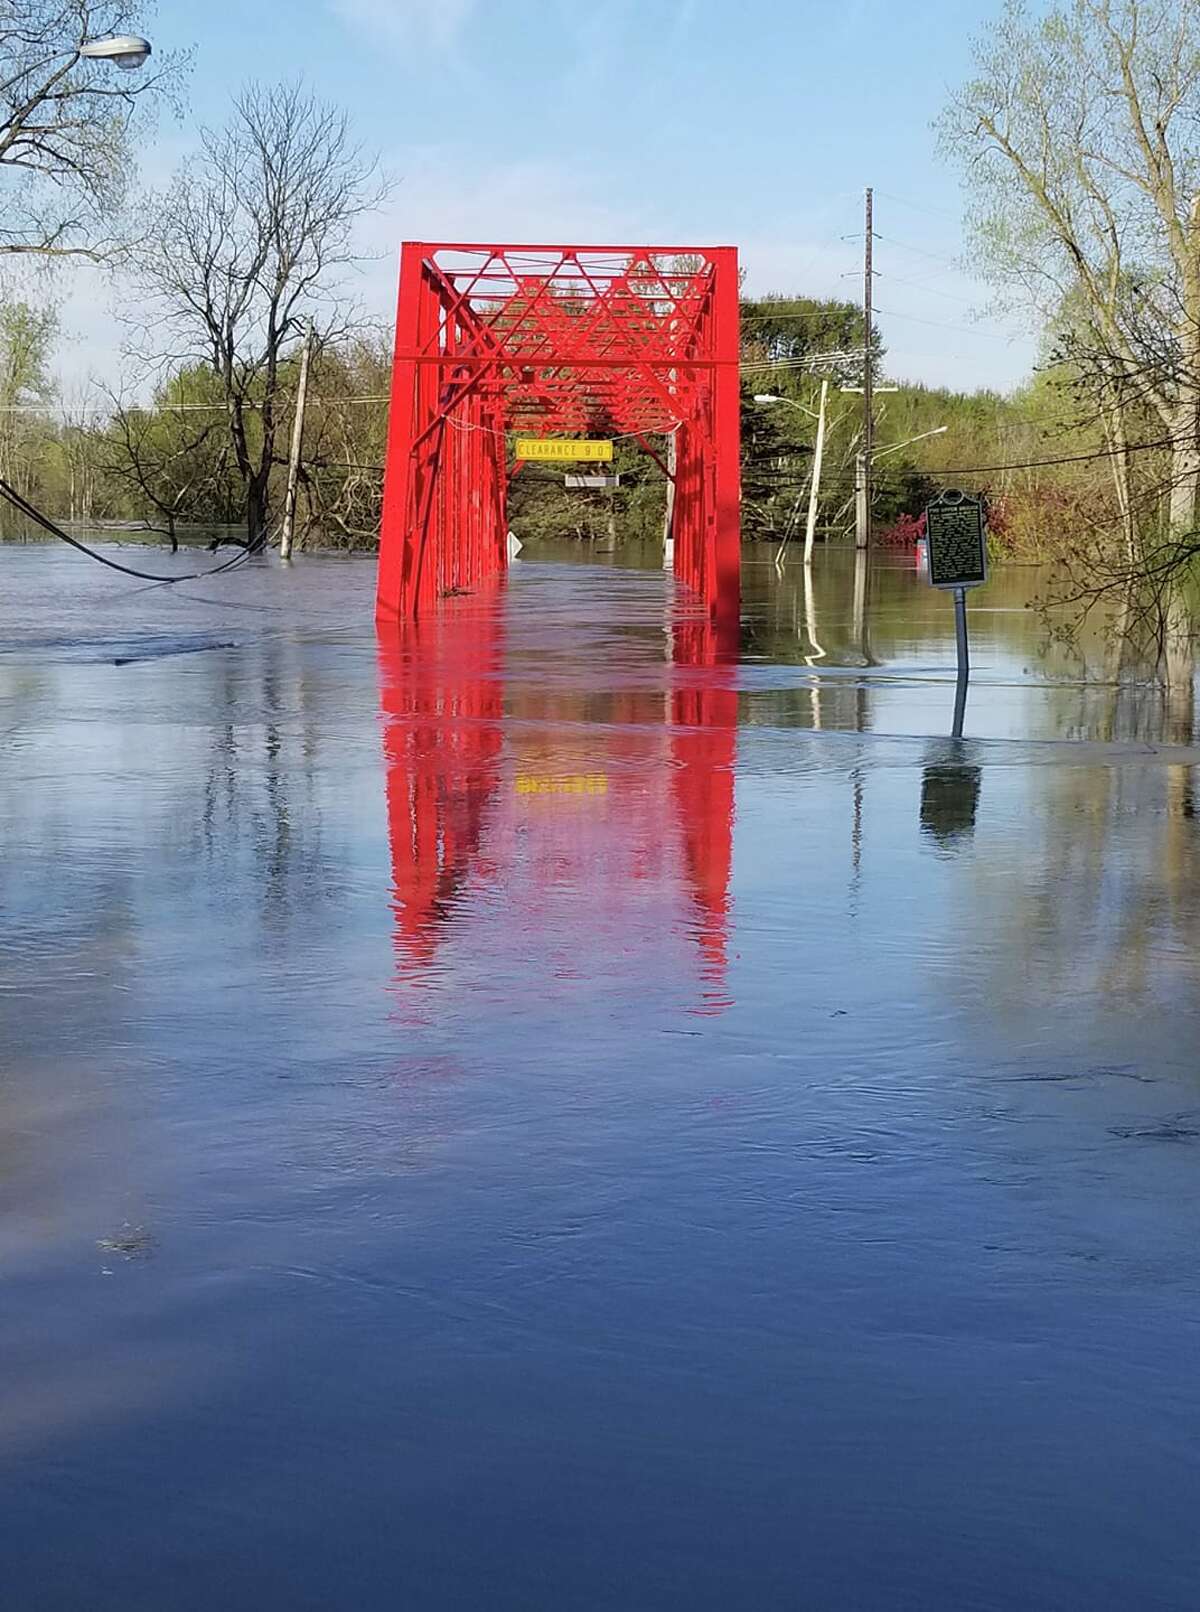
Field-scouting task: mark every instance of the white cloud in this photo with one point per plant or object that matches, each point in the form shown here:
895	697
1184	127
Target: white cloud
439	24
445	196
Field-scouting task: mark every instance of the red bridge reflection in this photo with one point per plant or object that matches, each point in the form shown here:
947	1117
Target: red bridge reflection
585	809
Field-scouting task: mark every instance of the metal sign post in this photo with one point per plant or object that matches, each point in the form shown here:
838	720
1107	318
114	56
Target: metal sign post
964	661
956	547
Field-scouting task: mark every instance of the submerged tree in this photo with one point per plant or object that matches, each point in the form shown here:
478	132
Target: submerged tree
254	237
171	457
341	474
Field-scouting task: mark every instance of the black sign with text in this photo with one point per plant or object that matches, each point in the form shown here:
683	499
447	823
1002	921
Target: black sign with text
956	541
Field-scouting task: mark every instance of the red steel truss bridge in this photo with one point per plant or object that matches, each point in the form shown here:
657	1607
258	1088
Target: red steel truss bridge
492	342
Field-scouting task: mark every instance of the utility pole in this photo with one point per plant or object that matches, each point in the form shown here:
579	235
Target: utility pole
862	534
289	502
815	489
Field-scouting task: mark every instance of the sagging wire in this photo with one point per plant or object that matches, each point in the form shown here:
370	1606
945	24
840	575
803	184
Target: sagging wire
24	507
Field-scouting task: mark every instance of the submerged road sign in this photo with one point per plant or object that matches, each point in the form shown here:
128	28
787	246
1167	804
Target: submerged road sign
956	551
560	449
956	540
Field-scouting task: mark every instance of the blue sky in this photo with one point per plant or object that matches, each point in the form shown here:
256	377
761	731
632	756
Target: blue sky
750	122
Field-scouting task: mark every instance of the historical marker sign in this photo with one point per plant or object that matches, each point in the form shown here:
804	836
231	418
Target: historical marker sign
559	450
956	541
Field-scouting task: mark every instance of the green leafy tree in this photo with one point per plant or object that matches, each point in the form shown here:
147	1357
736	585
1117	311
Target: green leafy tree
27	336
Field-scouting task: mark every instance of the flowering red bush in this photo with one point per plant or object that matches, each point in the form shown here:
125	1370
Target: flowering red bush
903	533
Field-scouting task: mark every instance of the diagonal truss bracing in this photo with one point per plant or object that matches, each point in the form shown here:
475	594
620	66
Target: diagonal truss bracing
601	341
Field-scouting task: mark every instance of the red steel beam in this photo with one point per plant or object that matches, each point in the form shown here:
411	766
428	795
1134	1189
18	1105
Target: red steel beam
619	341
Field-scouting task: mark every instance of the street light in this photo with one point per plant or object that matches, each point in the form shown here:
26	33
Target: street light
128	51
862	512
770	397
896	446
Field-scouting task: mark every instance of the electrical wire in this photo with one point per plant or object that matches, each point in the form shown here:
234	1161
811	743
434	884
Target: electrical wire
24	507
1065	459
942	324
1036	464
919	207
924	285
68	413
918	251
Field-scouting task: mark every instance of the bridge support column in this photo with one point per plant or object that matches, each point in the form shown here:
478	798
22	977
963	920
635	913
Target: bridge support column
726	446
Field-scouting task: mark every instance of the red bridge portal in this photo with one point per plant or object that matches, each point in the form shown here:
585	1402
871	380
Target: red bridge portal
639	342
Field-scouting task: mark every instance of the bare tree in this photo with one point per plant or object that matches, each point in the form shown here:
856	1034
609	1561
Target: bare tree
343	472
66	124
1079	138
254	237
174	456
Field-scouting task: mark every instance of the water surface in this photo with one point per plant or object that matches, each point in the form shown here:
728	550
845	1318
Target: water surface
537	1112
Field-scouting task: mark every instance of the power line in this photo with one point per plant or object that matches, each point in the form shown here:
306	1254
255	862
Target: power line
1065	459
942	324
24	507
763	310
1037	464
62	411
923	285
919	251
920	207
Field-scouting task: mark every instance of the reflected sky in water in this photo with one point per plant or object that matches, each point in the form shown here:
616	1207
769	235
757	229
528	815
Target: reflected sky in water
542	1110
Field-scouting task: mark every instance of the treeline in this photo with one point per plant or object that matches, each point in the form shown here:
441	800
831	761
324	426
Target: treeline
170	462
247	255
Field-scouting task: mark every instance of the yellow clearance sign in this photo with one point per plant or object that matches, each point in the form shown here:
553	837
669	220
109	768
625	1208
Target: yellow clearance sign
560	449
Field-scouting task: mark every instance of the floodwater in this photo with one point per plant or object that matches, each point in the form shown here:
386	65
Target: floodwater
540	1113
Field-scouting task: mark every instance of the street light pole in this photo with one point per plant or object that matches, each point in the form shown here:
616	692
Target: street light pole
814	486
864	464
815	489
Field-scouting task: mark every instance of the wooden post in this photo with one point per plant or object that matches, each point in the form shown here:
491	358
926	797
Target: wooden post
289	503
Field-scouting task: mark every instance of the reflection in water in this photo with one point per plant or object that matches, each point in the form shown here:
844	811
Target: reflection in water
638	828
442	695
703	744
950	802
842	618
